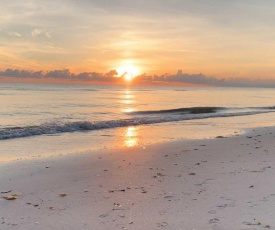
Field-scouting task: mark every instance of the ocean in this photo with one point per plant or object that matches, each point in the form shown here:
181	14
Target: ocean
42	120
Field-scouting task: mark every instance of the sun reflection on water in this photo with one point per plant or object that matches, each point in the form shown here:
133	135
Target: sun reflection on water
128	110
128	101
130	133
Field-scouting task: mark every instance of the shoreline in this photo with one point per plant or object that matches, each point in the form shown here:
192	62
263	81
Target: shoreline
44	146
222	183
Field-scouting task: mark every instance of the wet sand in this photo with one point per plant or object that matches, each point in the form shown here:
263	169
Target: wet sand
223	183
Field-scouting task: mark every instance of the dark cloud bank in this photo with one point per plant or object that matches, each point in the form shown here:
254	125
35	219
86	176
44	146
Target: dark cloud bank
111	77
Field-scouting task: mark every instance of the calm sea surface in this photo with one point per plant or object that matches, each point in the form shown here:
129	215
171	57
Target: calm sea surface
44	120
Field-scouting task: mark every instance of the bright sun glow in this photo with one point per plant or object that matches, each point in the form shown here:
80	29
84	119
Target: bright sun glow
128	71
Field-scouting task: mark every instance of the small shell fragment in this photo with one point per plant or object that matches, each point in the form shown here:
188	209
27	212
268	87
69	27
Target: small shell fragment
11	197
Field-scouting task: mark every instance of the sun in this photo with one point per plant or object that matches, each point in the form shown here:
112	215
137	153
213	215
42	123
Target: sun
128	71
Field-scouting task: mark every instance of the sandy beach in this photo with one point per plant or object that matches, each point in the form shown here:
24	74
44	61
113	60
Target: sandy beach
225	183
137	115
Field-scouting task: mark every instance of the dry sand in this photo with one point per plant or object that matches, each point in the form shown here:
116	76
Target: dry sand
224	183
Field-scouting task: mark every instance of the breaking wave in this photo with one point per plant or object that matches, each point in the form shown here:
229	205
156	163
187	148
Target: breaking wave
192	110
138	118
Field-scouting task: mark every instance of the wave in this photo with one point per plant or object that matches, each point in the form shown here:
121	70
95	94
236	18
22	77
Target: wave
199	110
191	110
53	128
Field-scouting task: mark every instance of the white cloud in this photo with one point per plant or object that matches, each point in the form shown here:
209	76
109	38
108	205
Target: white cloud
40	32
15	34
36	32
48	35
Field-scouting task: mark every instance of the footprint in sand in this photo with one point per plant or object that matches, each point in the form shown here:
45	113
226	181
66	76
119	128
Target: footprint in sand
212	212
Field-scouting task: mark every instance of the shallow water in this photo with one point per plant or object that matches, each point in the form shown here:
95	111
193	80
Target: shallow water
42	120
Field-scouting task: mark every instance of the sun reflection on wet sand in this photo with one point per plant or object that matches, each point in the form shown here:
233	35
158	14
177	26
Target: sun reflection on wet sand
131	136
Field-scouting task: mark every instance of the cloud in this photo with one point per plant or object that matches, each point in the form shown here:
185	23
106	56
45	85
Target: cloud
36	32
112	77
64	74
201	79
39	32
16	73
48	34
15	34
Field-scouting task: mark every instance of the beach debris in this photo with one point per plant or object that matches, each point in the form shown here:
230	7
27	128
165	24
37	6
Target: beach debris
159	175
103	215
214	221
169	197
256	171
212	212
219	136
117	205
192	174
10	197
222	206
6	192
259	223
117	190
63	194
248	223
162	224
251	186
186	150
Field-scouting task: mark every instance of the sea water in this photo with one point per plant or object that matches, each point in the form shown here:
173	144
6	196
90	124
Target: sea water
40	120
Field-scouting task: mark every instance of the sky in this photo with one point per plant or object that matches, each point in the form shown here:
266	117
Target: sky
217	38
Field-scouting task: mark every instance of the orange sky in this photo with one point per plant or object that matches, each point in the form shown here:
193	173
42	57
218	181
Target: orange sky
217	38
